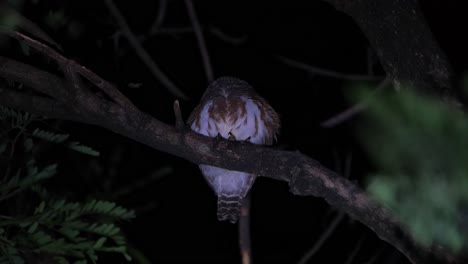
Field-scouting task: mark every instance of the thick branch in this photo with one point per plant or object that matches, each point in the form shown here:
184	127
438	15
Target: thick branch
304	175
400	36
39	80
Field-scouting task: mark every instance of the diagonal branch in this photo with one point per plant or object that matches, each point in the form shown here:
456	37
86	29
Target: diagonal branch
35	104
47	51
304	175
403	42
200	39
142	53
327	73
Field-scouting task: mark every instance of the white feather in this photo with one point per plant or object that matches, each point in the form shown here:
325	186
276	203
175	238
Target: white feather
221	180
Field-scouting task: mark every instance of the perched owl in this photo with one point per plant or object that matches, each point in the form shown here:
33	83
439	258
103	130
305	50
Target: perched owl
233	110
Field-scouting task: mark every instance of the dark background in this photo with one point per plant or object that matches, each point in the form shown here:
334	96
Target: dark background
176	210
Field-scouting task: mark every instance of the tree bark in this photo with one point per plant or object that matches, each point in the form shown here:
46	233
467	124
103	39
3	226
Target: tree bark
398	33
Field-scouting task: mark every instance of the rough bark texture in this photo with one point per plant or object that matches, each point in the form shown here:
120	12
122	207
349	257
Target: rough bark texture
400	36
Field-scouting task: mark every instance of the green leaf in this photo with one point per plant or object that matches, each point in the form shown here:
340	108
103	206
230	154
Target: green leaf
83	149
100	242
50	136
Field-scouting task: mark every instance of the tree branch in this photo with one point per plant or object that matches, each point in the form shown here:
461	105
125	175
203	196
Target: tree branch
396	31
142	53
327	73
403	42
200	39
304	175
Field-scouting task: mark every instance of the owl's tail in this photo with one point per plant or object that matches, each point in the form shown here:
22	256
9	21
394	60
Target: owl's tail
229	207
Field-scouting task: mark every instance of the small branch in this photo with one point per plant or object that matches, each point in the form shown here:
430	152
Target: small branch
162	9
179	121
325	235
142	53
225	37
26	25
353	253
326	73
375	257
353	110
105	86
216	32
244	231
200	40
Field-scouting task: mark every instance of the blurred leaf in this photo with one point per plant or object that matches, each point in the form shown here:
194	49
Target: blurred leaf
421	148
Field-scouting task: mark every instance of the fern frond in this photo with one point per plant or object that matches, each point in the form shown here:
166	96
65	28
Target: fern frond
50	136
16	118
61	139
83	149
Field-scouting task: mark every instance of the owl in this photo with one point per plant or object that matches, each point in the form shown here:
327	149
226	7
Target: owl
230	108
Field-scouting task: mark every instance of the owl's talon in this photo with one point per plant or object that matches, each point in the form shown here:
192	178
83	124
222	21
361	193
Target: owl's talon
231	137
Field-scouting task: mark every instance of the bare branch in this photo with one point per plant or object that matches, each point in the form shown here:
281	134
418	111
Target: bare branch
142	53
304	175
353	110
162	9
401	38
325	235
327	73
27	25
105	86
200	40
217	32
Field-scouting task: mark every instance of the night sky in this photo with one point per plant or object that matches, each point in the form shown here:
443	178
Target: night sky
176	210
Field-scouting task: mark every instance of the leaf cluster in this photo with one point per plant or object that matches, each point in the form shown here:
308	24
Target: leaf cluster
420	146
38	227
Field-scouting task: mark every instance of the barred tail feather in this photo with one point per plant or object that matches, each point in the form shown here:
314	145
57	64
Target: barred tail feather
229	207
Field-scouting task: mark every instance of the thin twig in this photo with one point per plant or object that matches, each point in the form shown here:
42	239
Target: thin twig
353	110
225	37
216	32
162	9
27	25
353	254
179	121
142	53
325	235
375	257
327	73
200	39
244	231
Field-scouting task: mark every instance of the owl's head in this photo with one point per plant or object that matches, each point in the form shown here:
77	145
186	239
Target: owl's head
230	108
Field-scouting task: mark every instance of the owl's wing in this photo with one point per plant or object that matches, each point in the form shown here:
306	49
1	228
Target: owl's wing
200	122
